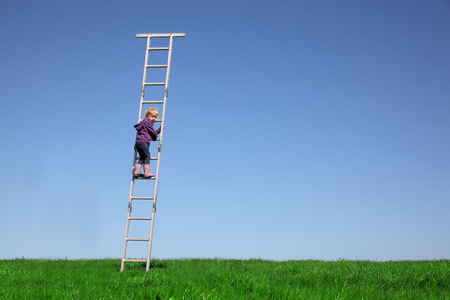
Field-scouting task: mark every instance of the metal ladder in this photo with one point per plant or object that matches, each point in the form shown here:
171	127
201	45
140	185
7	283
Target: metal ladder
147	68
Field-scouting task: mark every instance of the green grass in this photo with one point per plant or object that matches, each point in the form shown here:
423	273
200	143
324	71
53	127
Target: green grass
224	279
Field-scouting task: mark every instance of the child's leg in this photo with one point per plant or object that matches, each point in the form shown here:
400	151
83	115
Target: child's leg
144	154
137	169
142	149
147	173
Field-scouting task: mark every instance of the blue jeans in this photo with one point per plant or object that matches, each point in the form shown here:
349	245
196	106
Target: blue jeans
144	153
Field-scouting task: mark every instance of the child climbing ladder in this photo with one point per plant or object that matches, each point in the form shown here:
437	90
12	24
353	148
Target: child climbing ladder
145	135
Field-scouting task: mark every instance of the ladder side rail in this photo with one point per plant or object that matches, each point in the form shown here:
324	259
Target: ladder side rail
155	196
130	199
161	135
127	226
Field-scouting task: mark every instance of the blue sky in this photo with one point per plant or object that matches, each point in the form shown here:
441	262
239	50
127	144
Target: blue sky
294	129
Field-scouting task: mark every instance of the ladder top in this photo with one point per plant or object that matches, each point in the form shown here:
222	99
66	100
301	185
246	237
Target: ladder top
144	35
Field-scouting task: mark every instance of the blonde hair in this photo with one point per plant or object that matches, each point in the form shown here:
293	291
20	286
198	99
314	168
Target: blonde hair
151	112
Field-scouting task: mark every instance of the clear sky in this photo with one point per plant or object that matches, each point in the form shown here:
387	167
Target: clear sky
294	129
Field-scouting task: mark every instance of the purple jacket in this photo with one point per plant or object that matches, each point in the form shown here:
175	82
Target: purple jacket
145	131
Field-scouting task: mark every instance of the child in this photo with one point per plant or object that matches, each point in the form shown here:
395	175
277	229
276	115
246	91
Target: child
145	134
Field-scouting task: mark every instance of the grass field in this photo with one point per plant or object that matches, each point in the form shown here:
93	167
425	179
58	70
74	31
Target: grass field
224	279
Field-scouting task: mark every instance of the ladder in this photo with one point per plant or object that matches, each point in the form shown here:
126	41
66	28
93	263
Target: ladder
144	102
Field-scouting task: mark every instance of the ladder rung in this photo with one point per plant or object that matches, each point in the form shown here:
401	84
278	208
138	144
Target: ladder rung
150	178
139	218
157	120
142	198
156	66
158	48
154	83
151	158
153	102
138	240
135	260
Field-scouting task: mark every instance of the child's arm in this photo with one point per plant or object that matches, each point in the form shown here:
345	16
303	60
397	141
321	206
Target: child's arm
153	133
158	131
